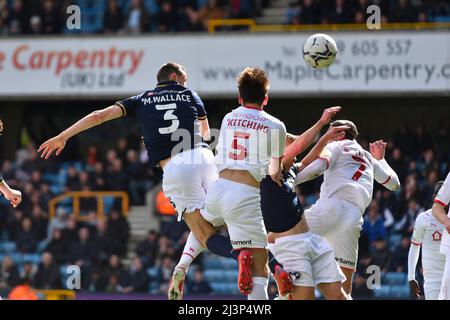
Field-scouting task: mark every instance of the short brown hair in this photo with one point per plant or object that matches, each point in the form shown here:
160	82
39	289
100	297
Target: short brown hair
253	85
167	69
350	133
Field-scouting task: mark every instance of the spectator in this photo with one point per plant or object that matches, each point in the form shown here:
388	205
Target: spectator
138	279
47	275
341	13
403	11
114	270
406	224
360	289
51	22
400	256
148	248
58	247
119	230
27	238
199	286
118	179
17	18
381	254
166	18
212	10
70	232
113	22
106	245
165	273
9	276
14	225
373	224
40	222
137	19
58	222
310	13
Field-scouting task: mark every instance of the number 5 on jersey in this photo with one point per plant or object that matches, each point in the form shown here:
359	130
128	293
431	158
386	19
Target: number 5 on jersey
240	152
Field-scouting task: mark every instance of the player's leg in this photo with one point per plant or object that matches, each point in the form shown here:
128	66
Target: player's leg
241	212
293	252
328	276
344	241
332	291
303	293
184	181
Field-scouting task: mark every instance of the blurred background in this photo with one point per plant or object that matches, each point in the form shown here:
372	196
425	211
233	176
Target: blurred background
100	206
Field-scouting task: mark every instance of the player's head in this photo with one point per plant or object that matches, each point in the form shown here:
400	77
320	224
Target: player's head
172	71
351	133
437	187
253	85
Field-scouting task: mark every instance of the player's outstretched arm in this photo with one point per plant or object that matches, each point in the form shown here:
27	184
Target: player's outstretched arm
13	196
383	173
303	141
205	130
413	258
93	119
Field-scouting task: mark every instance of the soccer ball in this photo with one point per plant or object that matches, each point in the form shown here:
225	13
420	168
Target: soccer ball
319	51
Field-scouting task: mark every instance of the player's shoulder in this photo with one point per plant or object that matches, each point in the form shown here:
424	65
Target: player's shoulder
424	217
277	122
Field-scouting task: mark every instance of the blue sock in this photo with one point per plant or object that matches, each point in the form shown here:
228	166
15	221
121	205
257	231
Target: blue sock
273	262
221	246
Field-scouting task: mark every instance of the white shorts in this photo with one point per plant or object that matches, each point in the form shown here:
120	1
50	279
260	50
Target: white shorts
186	178
444	293
239	207
340	223
308	258
432	289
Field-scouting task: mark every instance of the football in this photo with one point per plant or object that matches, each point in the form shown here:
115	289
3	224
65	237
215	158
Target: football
319	51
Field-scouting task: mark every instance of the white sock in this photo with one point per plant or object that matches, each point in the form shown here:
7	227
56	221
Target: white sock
191	250
259	291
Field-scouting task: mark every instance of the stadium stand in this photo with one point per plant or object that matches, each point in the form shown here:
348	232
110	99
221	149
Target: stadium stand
106	263
34	17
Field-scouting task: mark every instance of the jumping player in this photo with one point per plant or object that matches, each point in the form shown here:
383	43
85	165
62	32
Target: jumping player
251	142
307	257
427	233
440	203
349	172
166	114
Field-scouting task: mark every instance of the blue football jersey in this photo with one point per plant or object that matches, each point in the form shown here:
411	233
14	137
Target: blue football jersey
280	206
166	114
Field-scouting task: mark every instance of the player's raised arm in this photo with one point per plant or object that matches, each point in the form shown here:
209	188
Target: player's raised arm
383	173
93	119
303	141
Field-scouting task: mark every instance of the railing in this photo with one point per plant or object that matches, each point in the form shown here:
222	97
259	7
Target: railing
253	27
99	195
56	294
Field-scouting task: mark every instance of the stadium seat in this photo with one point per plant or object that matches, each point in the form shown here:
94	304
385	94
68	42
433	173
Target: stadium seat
231	275
383	292
214	275
394	278
152	272
400	292
394	240
7	247
34	258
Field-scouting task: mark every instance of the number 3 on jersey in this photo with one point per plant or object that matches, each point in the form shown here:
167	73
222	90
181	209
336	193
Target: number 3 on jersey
169	116
240	152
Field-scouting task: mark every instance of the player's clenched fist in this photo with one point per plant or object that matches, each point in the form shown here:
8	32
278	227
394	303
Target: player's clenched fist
13	196
54	144
377	149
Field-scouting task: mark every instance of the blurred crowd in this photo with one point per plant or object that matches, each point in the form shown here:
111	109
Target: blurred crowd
19	17
96	245
354	11
127	16
420	157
